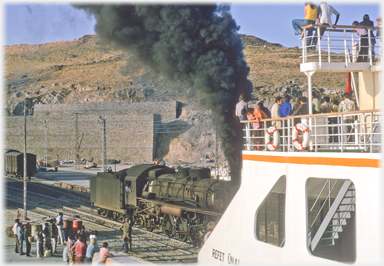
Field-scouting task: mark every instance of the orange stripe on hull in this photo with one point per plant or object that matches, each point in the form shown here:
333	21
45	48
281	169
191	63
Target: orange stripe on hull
354	162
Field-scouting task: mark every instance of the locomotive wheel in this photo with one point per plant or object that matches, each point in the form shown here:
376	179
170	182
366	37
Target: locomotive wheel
182	227
167	227
140	221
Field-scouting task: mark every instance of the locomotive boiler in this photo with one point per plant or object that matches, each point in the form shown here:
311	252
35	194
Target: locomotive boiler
183	204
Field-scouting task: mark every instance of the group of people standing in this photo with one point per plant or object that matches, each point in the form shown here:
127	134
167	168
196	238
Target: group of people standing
322	14
47	239
283	108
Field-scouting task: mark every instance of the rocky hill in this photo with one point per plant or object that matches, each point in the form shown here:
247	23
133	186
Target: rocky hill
87	70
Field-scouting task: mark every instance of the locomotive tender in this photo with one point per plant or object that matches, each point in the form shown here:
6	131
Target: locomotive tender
184	205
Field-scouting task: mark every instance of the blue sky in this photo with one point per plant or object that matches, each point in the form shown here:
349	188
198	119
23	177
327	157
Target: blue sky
41	22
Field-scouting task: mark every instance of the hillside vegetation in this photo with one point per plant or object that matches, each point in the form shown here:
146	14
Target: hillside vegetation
87	70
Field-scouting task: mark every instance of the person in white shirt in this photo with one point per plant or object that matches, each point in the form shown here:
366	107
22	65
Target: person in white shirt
14	229
59	224
325	19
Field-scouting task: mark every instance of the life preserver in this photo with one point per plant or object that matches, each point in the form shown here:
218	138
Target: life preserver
304	144
276	138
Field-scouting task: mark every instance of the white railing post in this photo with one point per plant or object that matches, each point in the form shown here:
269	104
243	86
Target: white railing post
346	51
247	135
329	46
342	133
370	47
371	137
305	59
318	41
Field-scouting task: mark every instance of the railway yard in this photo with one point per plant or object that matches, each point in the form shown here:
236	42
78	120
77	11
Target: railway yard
46	200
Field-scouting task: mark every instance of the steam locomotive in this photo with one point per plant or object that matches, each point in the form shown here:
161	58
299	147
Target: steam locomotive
183	205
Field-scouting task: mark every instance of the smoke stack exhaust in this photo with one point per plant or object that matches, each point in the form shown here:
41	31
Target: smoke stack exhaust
197	43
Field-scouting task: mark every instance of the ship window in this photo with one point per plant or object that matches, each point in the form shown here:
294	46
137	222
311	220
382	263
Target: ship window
331	230
270	216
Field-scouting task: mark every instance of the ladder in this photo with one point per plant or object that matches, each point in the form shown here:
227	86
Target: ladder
337	217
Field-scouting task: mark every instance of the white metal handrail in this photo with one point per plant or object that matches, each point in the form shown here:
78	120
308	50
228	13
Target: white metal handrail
333	132
332	47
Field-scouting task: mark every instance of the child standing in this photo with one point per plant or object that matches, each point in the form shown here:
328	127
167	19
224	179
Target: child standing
39	243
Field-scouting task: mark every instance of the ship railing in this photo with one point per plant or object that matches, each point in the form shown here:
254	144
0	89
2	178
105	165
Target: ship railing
338	43
357	131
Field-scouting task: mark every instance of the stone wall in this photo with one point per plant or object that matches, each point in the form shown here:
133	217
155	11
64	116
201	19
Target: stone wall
58	130
167	109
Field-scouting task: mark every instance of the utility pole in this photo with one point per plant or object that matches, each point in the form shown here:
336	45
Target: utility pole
46	144
27	102
104	145
76	140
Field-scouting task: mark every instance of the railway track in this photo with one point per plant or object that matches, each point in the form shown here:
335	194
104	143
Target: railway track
146	245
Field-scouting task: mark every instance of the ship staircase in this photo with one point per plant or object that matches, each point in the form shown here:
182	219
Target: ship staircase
326	233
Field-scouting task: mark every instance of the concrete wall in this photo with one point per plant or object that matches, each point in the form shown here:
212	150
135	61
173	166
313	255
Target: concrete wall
58	130
370	90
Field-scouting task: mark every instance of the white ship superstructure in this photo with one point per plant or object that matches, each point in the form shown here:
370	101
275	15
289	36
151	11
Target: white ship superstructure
321	205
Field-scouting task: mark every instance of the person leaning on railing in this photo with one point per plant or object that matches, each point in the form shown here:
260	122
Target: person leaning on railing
325	19
303	109
364	43
369	23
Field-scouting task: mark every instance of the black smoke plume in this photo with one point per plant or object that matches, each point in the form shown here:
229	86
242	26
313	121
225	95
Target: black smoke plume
183	42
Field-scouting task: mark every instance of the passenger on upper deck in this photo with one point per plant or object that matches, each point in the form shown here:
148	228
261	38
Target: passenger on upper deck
310	15
369	23
325	18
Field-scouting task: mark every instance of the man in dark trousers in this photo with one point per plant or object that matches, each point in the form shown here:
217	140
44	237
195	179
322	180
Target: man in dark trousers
369	23
127	231
27	236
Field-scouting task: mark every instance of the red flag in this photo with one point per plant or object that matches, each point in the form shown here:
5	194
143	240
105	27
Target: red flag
349	89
